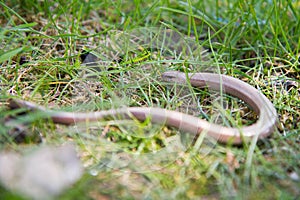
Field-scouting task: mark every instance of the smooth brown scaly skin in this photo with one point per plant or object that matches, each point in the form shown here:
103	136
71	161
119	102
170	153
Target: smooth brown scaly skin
263	127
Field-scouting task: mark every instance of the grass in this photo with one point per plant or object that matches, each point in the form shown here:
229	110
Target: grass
257	41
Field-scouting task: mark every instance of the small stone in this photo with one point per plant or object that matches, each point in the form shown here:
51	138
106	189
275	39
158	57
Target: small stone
294	176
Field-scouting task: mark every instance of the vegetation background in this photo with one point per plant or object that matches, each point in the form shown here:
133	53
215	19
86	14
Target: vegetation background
255	41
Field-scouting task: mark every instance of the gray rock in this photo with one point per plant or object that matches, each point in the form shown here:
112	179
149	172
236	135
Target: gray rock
43	173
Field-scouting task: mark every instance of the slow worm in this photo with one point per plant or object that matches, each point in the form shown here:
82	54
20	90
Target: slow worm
262	128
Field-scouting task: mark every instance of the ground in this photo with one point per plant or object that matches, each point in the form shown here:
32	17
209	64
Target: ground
44	55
